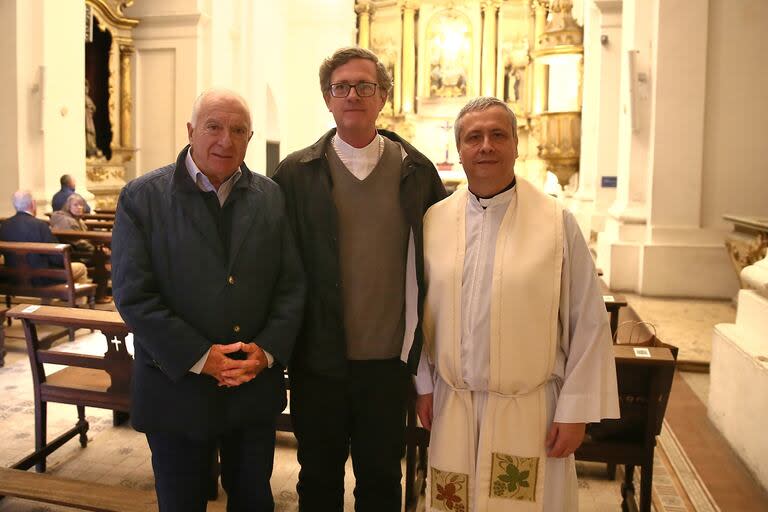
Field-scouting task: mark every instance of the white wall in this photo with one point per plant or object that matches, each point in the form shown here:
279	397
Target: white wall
167	79
314	30
9	137
43	131
735	172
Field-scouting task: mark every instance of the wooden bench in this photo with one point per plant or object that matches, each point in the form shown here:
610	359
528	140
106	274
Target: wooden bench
78	494
86	380
613	303
644	374
100	225
98	261
21	279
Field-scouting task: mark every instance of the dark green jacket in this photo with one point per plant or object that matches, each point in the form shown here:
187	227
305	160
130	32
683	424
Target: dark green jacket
306	182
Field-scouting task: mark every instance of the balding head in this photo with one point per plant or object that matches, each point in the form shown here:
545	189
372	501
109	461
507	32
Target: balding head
213	95
24	202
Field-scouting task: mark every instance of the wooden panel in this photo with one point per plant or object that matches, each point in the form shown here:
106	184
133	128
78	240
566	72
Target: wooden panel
66	317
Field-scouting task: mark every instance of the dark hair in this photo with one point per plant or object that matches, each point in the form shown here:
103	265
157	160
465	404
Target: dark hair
344	55
65	179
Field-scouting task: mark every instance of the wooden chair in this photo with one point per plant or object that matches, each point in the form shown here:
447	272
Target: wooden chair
416	446
644	374
86	380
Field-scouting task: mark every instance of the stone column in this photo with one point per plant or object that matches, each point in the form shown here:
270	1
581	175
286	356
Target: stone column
619	247
488	53
364	9
409	56
126	99
600	113
540	75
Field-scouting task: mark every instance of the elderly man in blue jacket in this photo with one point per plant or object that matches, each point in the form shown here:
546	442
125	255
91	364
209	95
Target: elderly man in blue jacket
206	274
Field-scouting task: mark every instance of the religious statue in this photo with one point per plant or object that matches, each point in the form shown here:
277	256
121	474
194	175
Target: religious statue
91	149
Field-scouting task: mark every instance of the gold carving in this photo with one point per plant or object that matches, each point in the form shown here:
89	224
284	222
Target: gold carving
105	178
559	136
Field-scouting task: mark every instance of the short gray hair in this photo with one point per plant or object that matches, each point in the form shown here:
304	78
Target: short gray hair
344	55
217	92
483	103
22	201
72	198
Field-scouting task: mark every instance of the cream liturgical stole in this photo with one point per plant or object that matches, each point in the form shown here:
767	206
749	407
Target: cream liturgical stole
507	472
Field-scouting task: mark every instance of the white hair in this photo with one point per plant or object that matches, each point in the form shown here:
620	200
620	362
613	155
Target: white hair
217	93
22	201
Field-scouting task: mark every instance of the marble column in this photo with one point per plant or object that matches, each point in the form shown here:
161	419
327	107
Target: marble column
409	56
599	114
619	246
488	52
540	72
364	9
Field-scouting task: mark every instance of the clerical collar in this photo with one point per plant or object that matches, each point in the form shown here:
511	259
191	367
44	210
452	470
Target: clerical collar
371	152
503	196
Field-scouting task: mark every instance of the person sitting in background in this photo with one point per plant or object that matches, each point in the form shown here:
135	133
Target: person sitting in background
70	217
25	227
67	189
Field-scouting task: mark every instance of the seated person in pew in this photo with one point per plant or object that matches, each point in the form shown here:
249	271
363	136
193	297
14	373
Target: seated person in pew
67	189
25	227
70	217
522	357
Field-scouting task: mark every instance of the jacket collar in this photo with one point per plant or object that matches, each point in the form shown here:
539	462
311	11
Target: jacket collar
317	150
183	182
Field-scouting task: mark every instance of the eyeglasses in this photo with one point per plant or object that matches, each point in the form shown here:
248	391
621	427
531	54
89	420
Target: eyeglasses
363	89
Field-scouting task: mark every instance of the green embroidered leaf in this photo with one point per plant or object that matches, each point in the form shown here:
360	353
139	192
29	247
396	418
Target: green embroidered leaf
523	484
524	475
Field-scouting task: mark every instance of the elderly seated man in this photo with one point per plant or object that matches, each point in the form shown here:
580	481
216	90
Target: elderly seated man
25	227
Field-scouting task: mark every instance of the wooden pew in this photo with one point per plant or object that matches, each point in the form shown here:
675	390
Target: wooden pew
92	216
99	261
109	211
2	336
87	380
100	225
81	495
644	374
19	281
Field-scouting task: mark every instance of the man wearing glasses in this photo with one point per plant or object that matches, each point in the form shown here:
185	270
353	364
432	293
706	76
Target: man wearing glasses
355	200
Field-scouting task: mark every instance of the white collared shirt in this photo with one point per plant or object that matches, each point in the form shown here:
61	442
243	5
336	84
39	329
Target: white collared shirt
359	161
204	184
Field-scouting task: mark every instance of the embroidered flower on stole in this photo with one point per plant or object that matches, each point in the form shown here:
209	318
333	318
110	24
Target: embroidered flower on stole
449	491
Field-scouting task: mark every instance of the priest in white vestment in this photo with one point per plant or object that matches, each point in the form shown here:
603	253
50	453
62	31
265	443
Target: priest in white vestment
519	354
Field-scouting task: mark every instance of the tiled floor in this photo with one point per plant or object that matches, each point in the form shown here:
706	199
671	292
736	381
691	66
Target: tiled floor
119	456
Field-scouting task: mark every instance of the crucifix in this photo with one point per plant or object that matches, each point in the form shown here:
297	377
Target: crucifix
446	165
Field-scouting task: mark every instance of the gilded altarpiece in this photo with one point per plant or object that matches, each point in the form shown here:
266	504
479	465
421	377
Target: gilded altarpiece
109	102
441	53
